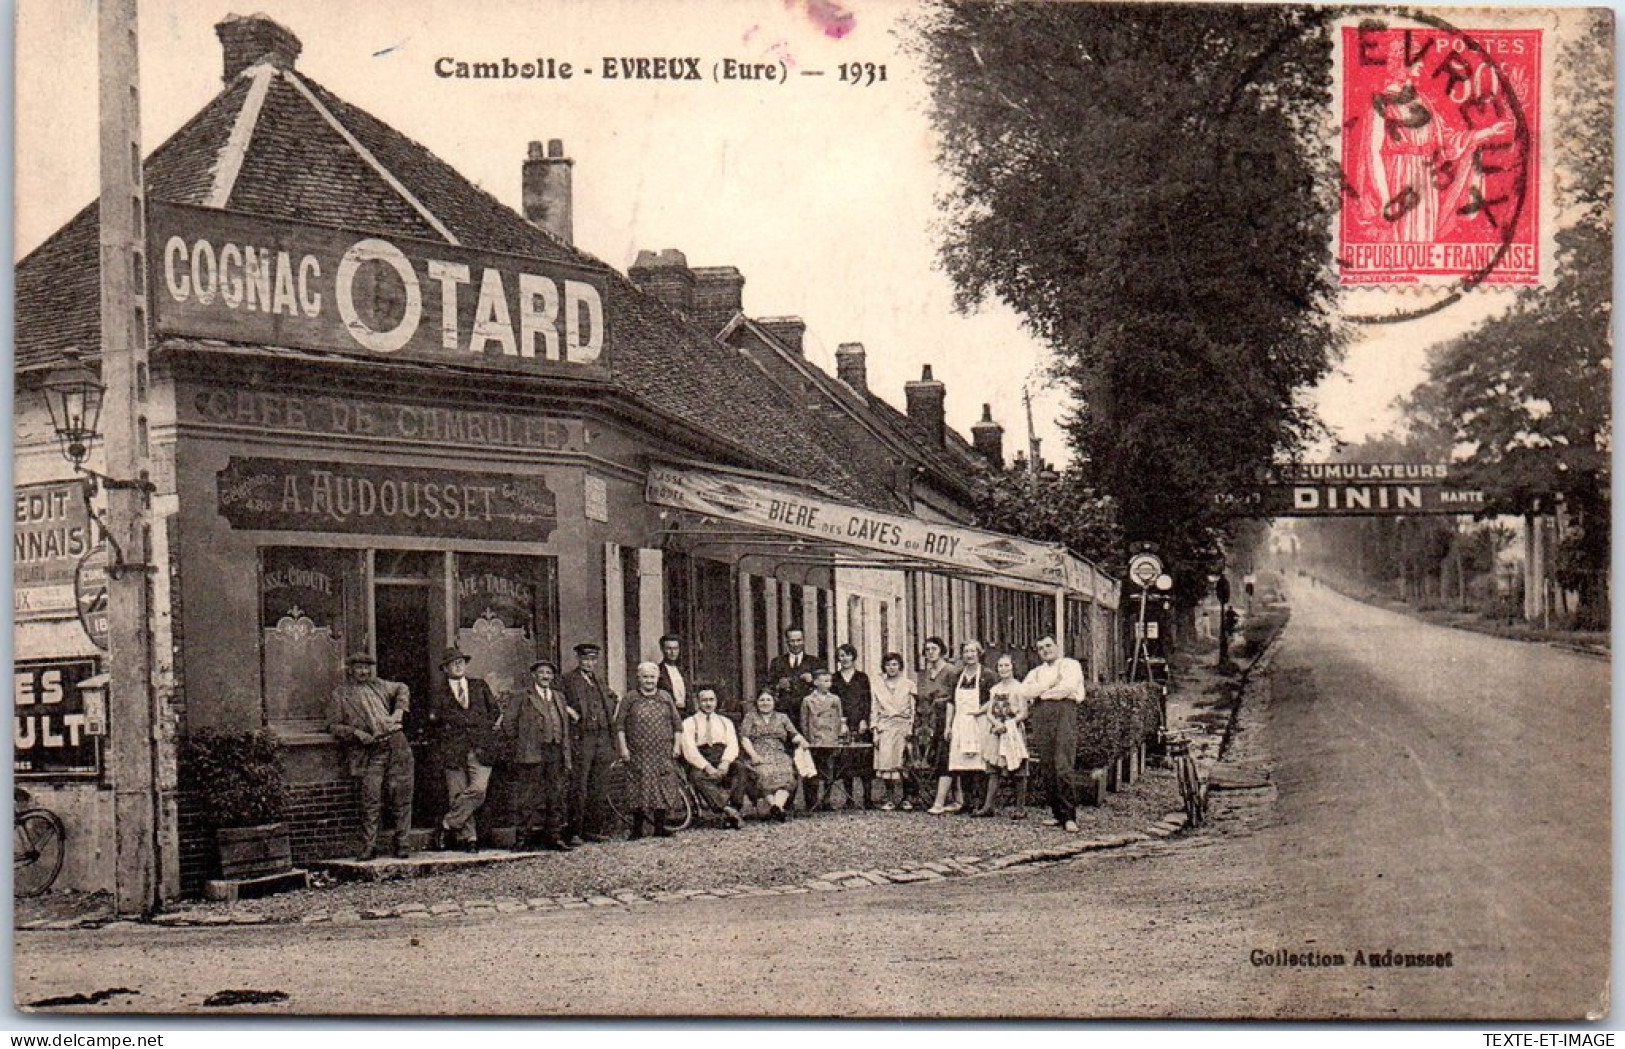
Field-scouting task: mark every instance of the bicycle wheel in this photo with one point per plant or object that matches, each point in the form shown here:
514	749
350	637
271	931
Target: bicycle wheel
680	819
618	792
37	850
1190	791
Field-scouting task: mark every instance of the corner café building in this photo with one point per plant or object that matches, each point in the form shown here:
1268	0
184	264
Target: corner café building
389	414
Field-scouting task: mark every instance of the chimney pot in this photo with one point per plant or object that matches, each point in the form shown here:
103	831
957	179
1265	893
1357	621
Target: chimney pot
547	190
926	405
248	40
852	366
987	437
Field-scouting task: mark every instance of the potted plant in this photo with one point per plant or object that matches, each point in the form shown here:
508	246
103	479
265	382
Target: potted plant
238	780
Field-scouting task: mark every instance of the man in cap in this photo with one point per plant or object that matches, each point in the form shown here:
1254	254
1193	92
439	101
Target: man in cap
463	718
537	723
592	718
365	713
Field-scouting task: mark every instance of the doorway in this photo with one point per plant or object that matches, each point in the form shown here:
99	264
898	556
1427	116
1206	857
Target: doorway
406	653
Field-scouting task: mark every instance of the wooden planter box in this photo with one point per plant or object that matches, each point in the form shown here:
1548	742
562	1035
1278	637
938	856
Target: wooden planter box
1114	774
1134	764
1092	787
252	852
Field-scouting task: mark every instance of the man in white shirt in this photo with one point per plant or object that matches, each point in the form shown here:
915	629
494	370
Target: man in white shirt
671	675
1056	689
711	748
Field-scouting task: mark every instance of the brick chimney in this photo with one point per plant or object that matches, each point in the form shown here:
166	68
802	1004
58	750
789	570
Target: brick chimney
665	275
987	437
851	366
925	405
788	330
249	39
719	294
545	186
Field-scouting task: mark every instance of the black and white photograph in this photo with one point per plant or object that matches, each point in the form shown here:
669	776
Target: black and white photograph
812	509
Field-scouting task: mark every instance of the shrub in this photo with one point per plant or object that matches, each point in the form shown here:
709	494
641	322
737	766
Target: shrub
1116	719
236	776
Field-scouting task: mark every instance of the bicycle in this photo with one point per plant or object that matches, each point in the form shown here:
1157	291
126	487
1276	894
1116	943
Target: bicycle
38	846
620	788
1191	791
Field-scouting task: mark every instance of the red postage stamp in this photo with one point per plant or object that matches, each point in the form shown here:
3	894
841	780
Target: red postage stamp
1440	155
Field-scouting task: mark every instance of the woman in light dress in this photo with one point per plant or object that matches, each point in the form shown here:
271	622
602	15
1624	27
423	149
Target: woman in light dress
891	716
1004	745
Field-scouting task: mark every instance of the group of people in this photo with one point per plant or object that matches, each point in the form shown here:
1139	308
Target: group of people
943	744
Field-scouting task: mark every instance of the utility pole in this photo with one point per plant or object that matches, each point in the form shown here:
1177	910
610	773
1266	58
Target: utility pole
132	737
1032	442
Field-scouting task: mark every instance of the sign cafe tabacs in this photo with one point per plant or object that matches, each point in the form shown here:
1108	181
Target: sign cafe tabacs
236	277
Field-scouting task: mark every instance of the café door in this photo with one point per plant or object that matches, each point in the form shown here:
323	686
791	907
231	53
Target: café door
407	653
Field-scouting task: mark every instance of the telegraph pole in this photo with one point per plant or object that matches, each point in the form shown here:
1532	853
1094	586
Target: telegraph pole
132	739
1032	442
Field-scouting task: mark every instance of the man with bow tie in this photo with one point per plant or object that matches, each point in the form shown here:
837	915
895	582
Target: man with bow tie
790	674
711	749
537	724
463	717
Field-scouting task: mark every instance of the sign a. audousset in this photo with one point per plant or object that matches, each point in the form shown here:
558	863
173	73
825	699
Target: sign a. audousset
245	279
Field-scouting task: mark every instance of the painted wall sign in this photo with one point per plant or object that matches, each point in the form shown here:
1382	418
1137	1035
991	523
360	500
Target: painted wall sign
52	533
50	729
782	510
298	495
246	279
356	417
1352	500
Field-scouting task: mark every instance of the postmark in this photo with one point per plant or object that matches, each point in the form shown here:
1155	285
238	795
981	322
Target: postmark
1439	148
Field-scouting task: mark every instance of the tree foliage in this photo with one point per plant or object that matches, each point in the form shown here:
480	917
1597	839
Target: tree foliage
1529	392
1056	508
1143	185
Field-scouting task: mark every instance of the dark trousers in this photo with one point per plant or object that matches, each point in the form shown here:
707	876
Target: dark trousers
1052	736
595	753
539	791
718	793
385	774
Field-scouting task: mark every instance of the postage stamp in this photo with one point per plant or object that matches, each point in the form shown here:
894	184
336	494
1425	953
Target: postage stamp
1440	154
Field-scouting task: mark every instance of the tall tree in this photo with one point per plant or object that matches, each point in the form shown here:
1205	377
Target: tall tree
1137	182
1529	392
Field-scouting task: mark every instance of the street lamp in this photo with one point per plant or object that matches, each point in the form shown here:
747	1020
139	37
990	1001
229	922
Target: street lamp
74	399
73	396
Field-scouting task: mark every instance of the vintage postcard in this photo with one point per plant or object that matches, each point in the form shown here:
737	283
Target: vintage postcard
812	508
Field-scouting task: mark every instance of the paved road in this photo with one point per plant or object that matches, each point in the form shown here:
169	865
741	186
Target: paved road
1433	791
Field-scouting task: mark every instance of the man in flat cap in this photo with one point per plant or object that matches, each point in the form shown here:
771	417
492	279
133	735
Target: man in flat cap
537	724
463	717
591	707
365	713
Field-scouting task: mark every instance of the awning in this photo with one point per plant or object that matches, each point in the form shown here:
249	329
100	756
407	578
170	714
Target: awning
783	510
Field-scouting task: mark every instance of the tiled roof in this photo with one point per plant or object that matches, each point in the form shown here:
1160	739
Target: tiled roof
299	167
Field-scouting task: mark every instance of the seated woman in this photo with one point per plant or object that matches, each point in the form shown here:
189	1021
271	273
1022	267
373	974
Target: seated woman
711	749
766	736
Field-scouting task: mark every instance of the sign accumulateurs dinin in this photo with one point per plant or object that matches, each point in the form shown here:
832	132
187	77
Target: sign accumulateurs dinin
1354	489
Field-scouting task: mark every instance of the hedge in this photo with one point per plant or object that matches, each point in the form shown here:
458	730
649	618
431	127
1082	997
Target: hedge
1115	719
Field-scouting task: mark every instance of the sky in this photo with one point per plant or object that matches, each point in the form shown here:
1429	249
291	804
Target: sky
822	193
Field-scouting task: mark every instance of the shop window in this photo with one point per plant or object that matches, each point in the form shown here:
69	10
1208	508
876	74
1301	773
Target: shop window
306	601
507	615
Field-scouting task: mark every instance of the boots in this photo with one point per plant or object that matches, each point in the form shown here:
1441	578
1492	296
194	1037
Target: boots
1021	799
657	819
637	827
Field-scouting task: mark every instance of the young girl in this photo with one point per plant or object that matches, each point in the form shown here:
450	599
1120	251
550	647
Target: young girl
891	715
1005	744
